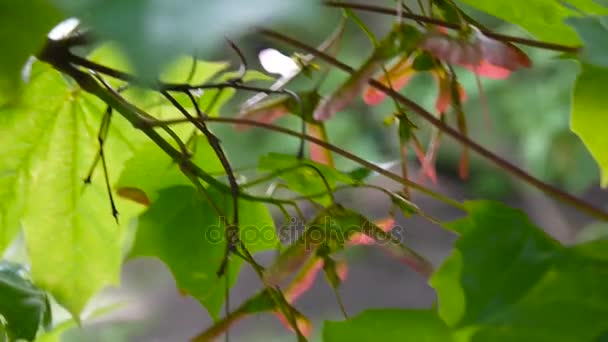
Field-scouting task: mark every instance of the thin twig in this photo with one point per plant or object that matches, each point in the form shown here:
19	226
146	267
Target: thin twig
434	21
393	176
507	166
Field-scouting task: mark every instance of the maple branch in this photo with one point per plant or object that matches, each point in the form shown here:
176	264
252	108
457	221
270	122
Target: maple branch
388	174
439	22
548	189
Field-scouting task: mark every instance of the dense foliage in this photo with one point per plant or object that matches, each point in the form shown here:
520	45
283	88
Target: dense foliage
109	151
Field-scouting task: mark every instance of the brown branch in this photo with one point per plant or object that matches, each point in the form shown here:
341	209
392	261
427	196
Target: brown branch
439	22
505	165
388	174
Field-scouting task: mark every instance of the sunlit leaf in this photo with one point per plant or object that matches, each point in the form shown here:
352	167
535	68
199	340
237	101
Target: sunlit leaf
589	114
74	244
183	69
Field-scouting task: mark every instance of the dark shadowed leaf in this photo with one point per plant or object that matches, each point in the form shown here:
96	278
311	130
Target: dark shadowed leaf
22	40
184	231
25	307
592	30
507	280
390	325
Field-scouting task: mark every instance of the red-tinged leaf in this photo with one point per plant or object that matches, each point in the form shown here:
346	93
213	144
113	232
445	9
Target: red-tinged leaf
428	164
502	54
484	56
265	111
303	281
386	225
318	153
304	325
288	262
451	50
213	333
342	270
485	69
397	249
444	99
412	261
399	76
262	302
348	92
426	169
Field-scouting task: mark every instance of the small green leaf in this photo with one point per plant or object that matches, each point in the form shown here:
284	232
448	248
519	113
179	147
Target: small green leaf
405	131
390	325
402	39
259	303
424	61
182	229
406	206
589	114
302	178
360	174
24	307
